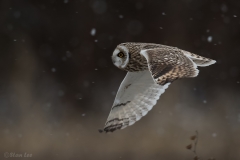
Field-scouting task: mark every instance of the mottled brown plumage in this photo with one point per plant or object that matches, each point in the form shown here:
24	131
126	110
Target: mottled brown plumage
151	68
166	63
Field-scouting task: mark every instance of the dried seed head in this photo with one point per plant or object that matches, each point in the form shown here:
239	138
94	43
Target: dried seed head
189	146
193	137
196	158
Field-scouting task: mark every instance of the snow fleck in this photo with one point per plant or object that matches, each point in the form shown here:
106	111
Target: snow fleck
6	131
214	135
226	19
161	131
194	89
9	27
67	134
17	14
120	16
64	58
234	71
86	84
238	82
53	69
163	13
83	114
68	54
65	1
235	16
134	27
224	8
161	28
80	98
96	69
48	105
76	12
204	101
223	75
209	39
99	7
20	135
208	30
95	40
14	40
139	5
60	93
190	19
93	32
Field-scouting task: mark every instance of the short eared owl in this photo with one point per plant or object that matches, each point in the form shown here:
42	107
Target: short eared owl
151	68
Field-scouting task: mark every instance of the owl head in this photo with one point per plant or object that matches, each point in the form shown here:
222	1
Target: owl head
120	56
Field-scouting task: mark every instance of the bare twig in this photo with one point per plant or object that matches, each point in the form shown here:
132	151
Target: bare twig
195	144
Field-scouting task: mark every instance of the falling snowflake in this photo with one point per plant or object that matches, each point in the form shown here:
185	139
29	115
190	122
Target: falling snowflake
209	39
53	70
120	16
93	32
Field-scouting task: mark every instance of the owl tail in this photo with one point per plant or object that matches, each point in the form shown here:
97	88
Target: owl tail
199	60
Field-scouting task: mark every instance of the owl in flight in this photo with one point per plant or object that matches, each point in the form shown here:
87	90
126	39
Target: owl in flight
151	68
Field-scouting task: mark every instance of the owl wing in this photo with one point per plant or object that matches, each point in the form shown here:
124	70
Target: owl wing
169	64
137	94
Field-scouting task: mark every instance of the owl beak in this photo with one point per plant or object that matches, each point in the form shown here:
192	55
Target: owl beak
113	61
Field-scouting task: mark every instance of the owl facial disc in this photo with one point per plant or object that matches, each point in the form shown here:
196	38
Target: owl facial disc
120	57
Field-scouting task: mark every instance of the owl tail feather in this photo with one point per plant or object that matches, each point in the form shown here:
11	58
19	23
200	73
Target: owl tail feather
199	60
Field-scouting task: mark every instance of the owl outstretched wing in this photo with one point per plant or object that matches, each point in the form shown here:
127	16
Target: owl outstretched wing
169	64
137	94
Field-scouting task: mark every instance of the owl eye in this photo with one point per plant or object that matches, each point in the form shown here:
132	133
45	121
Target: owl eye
120	54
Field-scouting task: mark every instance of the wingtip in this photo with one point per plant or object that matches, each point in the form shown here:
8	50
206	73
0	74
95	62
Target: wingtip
106	130
100	130
210	63
213	61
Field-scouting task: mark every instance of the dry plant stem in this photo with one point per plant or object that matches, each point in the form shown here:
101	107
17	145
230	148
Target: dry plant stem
195	144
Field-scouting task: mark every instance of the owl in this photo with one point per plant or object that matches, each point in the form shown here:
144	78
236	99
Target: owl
151	68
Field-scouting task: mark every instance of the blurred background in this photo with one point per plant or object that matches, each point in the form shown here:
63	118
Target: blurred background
58	82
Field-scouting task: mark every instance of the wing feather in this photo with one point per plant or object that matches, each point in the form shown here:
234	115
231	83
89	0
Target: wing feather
169	64
136	96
